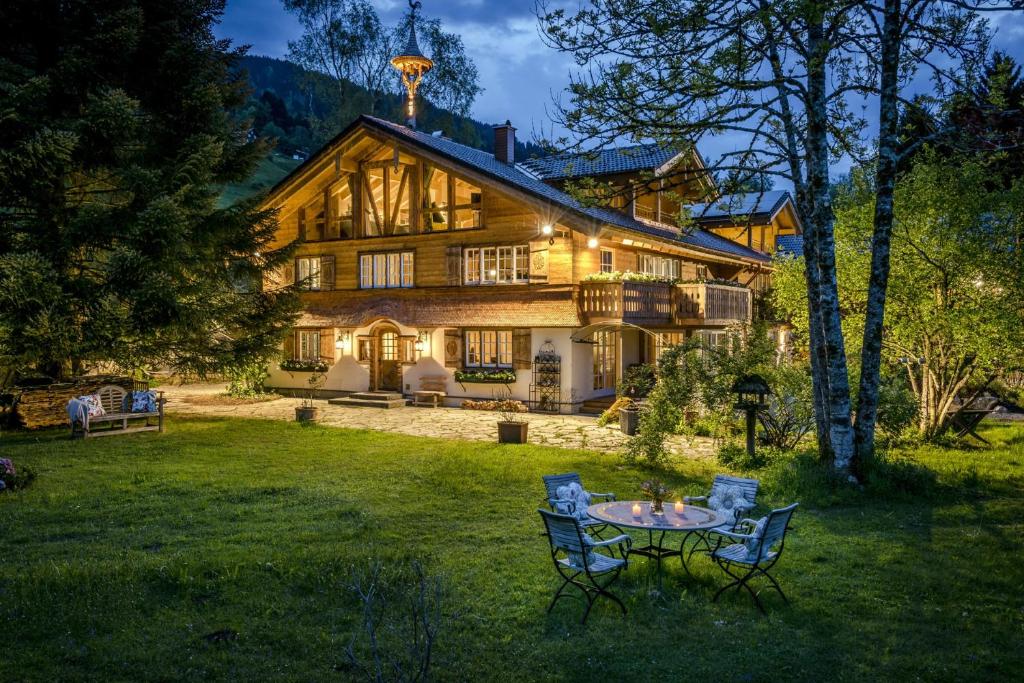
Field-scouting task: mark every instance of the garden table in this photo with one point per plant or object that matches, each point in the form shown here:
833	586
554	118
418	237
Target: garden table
620	513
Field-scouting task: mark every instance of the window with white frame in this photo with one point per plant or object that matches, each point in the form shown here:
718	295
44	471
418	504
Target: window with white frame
488	348
607	261
497	265
662	266
309	345
386	270
307	272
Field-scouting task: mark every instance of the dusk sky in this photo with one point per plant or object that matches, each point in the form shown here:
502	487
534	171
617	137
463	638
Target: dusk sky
518	72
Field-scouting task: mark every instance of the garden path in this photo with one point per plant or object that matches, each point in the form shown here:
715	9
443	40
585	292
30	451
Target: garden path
562	431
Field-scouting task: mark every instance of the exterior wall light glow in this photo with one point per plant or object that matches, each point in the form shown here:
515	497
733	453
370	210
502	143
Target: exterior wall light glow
546	229
342	342
592	243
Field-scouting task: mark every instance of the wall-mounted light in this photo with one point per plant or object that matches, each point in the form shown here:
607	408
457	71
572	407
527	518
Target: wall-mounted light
547	229
592	243
421	342
343	340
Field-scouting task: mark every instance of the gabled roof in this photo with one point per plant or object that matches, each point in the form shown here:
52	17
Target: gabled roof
516	177
601	162
756	207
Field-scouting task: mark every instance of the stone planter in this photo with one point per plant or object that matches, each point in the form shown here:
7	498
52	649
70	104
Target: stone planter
629	418
512	432
307	414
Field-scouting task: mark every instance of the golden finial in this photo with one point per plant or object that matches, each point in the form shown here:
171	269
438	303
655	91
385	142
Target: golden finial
412	64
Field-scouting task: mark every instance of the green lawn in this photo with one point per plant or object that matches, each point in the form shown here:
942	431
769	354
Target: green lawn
127	551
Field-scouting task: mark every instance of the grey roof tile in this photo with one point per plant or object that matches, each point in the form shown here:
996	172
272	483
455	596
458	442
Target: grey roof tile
789	244
600	162
758	205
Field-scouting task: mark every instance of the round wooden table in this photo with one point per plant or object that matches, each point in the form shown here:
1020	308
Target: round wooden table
620	513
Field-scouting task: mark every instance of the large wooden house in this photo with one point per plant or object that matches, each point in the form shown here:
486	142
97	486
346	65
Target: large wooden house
420	258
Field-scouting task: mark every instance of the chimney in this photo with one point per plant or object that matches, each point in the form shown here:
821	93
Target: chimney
505	143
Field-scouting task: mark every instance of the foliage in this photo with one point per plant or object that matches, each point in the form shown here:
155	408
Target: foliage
790	412
296	365
485	376
627	276
637	381
117	131
611	415
953	318
346	40
663	410
247	380
15	478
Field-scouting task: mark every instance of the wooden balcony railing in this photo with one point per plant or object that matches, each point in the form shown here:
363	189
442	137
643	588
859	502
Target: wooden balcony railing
711	304
635	302
656	303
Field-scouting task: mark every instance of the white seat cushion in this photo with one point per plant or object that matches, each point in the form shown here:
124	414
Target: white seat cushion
599	564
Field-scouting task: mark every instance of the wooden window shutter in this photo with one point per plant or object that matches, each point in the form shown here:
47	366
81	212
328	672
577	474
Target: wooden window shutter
289	346
454	266
539	261
364	348
327	344
327	277
453	349
302	225
521	349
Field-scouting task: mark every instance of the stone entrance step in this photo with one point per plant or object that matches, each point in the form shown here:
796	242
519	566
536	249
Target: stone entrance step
370	399
596	406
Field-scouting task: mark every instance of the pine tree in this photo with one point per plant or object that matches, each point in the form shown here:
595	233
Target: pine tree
117	131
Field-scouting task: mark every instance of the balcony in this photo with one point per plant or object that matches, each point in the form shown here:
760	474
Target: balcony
640	303
656	303
710	304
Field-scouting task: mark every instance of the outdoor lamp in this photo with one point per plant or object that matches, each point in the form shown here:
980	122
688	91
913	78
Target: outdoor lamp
592	243
752	396
421	342
341	343
546	229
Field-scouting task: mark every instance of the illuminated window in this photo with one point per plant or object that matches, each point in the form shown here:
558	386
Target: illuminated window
449	202
497	265
386	270
607	265
662	266
488	348
307	273
309	345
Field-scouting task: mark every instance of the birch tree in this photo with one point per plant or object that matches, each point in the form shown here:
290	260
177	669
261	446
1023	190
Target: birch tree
777	77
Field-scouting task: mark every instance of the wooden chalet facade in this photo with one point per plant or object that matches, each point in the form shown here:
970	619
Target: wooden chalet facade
419	258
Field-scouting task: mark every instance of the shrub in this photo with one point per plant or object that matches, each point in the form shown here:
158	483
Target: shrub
500	405
612	413
15	478
247	380
637	381
485	376
897	408
790	413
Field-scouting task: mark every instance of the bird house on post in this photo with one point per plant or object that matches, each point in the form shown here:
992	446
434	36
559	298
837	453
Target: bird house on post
413	65
752	393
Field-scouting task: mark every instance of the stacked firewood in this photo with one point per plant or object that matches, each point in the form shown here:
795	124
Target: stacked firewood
44	406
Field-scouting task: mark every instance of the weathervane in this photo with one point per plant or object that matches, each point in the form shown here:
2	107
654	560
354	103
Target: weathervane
412	64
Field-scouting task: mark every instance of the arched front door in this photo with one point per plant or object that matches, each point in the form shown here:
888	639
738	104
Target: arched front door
387	369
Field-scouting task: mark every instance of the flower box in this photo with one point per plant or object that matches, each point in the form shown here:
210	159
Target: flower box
303	366
485	376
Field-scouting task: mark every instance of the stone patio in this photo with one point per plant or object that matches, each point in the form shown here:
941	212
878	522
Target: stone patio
562	431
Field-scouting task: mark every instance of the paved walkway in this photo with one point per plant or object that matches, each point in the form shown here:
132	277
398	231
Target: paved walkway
563	431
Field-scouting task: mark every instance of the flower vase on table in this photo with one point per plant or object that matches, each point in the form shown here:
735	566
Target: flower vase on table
657	491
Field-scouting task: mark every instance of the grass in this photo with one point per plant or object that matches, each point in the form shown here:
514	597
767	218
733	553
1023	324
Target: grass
128	550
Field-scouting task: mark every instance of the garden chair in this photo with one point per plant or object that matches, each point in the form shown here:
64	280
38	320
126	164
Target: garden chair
553	482
731	498
754	553
577	561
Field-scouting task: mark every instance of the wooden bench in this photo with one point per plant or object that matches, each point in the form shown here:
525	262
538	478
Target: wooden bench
433	389
116	403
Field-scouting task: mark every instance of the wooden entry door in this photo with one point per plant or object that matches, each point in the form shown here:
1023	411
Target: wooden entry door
388	371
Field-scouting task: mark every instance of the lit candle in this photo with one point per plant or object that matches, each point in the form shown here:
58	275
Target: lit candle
679	507
636	509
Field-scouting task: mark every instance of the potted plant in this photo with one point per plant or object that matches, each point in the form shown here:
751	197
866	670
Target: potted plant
629	417
308	411
511	428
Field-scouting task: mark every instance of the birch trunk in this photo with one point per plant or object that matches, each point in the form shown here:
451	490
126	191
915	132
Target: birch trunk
830	339
885	182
